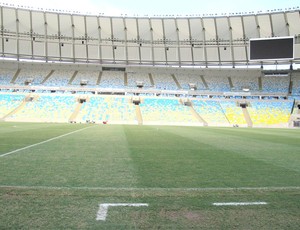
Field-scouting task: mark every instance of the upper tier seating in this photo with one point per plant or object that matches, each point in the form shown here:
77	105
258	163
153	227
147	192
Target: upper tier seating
90	76
245	82
112	79
37	76
134	77
164	81
185	79
59	78
217	83
6	76
121	80
296	84
275	84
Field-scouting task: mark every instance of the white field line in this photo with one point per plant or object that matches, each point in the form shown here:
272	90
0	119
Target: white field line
240	203
149	189
103	208
43	142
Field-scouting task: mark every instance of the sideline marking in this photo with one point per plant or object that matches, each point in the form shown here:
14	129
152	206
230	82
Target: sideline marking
240	203
39	143
149	189
103	208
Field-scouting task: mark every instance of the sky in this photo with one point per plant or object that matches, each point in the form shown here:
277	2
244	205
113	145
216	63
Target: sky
159	7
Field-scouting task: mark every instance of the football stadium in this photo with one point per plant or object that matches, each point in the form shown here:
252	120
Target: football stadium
149	122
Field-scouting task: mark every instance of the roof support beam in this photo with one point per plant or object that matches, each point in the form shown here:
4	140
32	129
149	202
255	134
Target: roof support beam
231	46
191	42
125	43
17	38
152	45
204	43
139	39
218	44
99	41
73	39
86	40
177	42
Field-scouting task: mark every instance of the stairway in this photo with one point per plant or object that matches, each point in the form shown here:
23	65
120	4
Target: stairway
176	81
47	77
260	87
230	83
15	76
151	79
204	82
75	113
197	116
125	79
139	114
21	106
247	117
99	78
73	77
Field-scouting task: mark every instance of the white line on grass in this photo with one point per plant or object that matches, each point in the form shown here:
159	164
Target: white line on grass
103	208
149	189
240	203
43	142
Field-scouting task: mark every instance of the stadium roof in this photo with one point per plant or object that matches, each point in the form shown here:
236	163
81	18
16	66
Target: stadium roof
158	7
57	35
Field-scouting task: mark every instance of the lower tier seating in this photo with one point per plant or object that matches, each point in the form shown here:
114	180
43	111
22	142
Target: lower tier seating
166	110
48	107
270	113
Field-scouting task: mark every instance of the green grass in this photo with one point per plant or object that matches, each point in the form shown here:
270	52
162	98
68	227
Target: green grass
179	171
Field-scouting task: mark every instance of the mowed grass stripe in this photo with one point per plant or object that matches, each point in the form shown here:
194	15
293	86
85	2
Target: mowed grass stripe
150	156
93	157
15	135
43	142
265	145
260	144
201	157
153	189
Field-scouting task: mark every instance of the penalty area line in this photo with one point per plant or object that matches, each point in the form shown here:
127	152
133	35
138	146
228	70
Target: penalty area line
103	208
43	142
240	203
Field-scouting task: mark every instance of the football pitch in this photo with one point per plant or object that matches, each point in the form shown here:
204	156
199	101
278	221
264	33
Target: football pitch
87	176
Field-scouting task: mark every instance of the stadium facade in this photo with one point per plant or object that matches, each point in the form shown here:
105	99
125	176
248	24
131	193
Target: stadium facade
175	41
153	64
